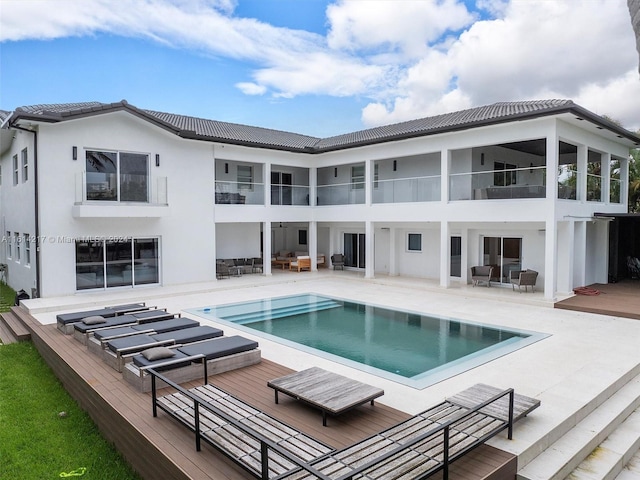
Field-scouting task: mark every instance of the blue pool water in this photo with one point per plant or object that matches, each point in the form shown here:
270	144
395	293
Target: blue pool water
412	348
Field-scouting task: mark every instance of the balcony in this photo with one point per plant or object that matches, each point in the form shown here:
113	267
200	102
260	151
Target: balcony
289	194
507	184
341	194
139	197
416	189
239	193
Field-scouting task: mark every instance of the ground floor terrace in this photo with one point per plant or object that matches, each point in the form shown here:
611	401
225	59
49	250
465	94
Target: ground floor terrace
575	366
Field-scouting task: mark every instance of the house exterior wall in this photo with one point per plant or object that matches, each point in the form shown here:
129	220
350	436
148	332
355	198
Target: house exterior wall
559	238
186	232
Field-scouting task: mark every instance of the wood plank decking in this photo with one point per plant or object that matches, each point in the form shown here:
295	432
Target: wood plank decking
616	299
161	448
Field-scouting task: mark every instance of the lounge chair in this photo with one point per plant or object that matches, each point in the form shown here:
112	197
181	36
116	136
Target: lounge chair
97	339
119	350
301	263
481	274
524	278
337	260
83	329
180	363
66	320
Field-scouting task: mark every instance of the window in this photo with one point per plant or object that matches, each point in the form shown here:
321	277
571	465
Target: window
117	263
245	177
17	241
357	177
27	249
302	237
25	165
9	239
117	176
414	242
16	172
376	175
502	177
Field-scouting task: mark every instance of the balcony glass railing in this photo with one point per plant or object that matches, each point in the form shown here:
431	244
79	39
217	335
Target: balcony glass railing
234	193
341	194
128	189
417	189
594	188
567	181
289	194
614	190
526	182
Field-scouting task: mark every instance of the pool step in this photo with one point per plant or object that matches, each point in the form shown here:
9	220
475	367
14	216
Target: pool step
583	426
280	312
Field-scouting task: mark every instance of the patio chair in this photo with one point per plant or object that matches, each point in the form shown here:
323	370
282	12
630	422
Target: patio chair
337	260
222	270
301	263
480	274
257	265
524	278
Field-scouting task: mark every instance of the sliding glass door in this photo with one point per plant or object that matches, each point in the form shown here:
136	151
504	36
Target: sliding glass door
504	254
354	250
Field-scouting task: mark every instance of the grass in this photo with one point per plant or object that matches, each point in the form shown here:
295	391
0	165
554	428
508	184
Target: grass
7	297
36	440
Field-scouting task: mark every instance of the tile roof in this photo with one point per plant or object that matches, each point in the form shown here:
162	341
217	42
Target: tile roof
225	132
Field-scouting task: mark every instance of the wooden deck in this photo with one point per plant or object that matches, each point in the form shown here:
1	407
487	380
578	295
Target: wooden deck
616	299
162	448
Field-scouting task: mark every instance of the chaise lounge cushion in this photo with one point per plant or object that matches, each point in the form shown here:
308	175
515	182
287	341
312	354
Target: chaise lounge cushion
186	335
109	322
158	353
220	347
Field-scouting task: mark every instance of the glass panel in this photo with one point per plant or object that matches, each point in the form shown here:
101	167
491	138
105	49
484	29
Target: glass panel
275	188
357	177
511	259
145	263
594	177
89	265
102	176
361	255
455	266
118	261
493	255
245	177
134	177
568	177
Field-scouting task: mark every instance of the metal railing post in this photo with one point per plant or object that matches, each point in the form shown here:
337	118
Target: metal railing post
445	470
196	408
511	398
154	395
264	457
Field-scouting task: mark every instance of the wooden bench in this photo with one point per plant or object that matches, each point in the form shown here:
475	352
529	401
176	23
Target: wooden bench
332	393
428	442
260	443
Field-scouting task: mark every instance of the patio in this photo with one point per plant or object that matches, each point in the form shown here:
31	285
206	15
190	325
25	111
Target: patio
573	367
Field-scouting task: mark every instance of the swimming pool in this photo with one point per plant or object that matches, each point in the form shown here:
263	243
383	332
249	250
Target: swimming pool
408	347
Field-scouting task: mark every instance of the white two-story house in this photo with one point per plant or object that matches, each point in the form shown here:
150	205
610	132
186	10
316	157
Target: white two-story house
100	196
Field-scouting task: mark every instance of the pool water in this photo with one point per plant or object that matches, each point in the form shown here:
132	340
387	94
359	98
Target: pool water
413	348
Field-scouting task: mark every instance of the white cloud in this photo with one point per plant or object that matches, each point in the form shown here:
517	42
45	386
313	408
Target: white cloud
411	58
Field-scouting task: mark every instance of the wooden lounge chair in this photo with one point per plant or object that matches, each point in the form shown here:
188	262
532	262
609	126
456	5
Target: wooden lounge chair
82	330
301	263
428	442
65	321
524	278
181	363
120	350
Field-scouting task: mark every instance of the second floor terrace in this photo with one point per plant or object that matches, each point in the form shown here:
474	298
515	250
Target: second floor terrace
509	171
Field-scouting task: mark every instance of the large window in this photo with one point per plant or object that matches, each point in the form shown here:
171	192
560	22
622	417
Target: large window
504	174
17	242
117	263
357	177
27	249
117	176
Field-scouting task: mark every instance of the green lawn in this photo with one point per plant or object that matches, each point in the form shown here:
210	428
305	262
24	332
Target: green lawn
36	440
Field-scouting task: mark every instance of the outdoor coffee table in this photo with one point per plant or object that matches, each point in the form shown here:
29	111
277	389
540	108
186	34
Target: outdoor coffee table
330	392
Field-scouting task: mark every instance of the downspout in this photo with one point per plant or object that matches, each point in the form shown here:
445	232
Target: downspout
36	210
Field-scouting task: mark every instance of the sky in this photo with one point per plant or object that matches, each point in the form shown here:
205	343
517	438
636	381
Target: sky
319	67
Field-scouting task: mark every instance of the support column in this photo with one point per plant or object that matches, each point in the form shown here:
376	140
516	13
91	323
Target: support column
393	264
550	259
369	256
581	184
266	248
464	256
312	239
267	185
445	254
445	167
313	187
579	254
368	182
